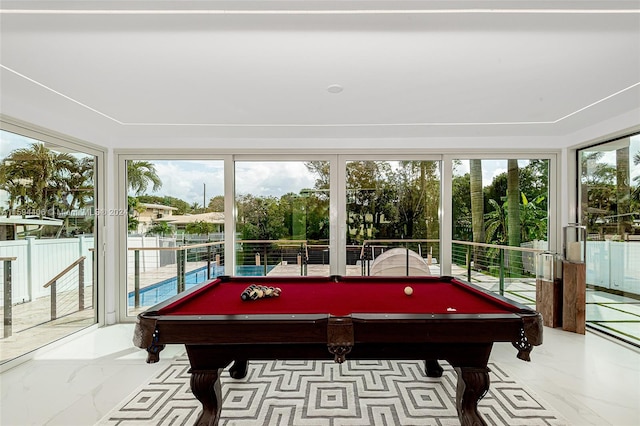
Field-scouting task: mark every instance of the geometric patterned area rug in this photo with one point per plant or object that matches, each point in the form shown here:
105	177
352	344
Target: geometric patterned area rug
323	393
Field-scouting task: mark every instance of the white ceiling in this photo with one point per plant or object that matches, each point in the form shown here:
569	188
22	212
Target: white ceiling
407	68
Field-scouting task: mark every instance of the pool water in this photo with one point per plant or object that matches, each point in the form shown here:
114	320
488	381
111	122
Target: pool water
161	291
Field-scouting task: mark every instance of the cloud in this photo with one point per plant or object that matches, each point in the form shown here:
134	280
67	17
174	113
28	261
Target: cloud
272	178
186	179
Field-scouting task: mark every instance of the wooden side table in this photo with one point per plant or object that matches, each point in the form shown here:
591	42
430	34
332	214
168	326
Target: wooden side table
549	302
574	288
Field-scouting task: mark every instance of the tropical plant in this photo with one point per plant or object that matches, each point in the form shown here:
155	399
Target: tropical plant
161	229
513	213
496	223
200	227
531	216
33	177
141	174
635	194
134	208
216	204
477	207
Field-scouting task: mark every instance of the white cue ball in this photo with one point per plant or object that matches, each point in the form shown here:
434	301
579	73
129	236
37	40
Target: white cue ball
408	291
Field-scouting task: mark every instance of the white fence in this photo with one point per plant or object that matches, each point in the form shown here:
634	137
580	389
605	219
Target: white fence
40	260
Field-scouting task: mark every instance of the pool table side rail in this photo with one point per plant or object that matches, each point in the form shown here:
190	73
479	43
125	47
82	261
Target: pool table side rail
154	331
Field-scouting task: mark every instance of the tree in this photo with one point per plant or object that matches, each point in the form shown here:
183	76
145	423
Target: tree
598	192
317	215
161	228
461	208
623	192
134	208
141	174
477	207
513	213
415	189
216	204
199	227
321	170
635	195
371	196
496	222
77	190
533	218
32	177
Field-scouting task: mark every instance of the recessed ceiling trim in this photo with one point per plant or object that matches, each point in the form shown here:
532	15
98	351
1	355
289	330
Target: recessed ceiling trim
311	12
498	123
60	94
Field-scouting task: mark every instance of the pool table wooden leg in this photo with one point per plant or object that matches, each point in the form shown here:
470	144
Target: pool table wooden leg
239	368
473	384
205	385
432	368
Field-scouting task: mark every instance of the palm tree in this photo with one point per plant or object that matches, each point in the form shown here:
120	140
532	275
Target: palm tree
477	207
623	192
79	184
513	212
140	174
34	177
496	221
636	191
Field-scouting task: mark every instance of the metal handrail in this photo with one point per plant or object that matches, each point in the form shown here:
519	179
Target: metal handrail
67	269
177	248
8	307
499	246
395	240
53	284
502	249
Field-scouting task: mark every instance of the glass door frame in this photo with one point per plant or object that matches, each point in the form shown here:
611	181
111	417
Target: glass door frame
120	202
47	136
341	196
230	238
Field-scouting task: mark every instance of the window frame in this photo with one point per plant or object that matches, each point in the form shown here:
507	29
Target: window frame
44	135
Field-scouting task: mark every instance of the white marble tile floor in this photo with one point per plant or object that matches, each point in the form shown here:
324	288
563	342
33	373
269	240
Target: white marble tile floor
590	379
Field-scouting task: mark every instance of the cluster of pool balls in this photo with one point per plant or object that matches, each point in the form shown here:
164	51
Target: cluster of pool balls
255	292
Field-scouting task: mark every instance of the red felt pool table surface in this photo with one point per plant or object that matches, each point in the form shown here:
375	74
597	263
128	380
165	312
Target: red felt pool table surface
339	297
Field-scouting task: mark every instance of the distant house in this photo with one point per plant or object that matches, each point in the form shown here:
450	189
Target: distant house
181	221
153	213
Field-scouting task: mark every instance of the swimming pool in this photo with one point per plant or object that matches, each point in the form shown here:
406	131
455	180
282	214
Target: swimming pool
160	291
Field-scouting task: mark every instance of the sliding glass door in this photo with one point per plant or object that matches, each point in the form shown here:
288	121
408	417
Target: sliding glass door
392	215
48	225
282	217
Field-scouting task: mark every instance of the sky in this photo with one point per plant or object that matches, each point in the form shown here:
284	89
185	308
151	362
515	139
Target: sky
188	180
490	169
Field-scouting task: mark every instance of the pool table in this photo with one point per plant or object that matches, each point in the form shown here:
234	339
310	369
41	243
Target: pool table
341	318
